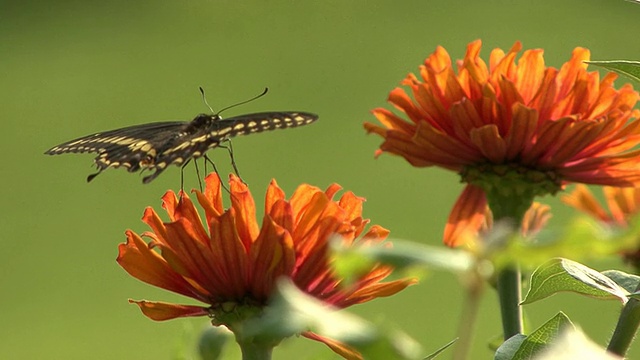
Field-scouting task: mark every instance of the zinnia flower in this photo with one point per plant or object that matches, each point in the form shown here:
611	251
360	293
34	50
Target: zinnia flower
233	263
465	222
514	129
622	204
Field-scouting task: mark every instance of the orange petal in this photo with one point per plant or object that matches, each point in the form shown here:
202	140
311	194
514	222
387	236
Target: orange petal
139	261
160	311
231	256
535	218
489	142
301	197
245	211
623	202
530	74
274	194
467	215
337	347
370	292
582	199
272	255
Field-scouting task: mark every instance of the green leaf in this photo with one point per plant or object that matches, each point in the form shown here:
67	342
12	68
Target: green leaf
581	238
628	68
439	351
629	282
508	349
292	312
542	337
635	295
572	344
352	261
212	341
559	274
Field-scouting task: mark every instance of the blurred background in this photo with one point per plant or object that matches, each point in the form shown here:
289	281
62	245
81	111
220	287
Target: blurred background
71	68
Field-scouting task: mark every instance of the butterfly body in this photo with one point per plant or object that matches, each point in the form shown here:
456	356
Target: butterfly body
155	146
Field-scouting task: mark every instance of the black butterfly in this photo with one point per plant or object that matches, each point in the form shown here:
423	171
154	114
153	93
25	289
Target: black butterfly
155	146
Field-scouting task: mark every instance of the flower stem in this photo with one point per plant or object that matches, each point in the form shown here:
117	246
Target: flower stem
510	206
509	294
626	328
468	319
255	350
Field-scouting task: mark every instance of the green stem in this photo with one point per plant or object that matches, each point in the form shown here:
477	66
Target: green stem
467	323
255	350
509	207
626	328
509	294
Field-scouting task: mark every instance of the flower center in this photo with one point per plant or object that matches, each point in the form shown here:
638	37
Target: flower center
512	179
230	313
511	188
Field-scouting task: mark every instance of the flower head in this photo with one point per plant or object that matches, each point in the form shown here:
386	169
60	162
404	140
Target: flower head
233	261
519	126
621	204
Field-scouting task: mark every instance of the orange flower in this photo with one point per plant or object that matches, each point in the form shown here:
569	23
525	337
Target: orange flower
536	126
622	204
235	262
470	215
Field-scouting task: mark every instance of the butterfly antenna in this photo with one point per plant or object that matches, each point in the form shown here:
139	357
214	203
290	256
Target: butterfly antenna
204	98
266	90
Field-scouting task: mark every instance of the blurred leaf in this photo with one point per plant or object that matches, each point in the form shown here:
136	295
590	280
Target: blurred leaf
572	344
439	351
581	238
212	340
565	275
293	312
352	261
508	349
630	69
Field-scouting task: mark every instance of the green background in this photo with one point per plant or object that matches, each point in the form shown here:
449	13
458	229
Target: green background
70	68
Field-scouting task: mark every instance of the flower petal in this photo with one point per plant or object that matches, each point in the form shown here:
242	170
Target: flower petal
145	264
337	347
160	311
467	216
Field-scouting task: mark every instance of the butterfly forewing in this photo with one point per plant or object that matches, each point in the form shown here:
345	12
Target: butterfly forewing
252	123
157	145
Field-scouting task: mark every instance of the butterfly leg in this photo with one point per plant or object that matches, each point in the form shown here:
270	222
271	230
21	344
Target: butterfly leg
195	163
182	179
233	160
215	169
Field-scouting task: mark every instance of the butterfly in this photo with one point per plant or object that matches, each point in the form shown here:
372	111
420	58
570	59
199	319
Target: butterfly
155	146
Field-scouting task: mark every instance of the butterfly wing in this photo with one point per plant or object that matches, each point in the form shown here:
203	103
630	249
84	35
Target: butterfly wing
133	147
258	122
155	146
209	131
